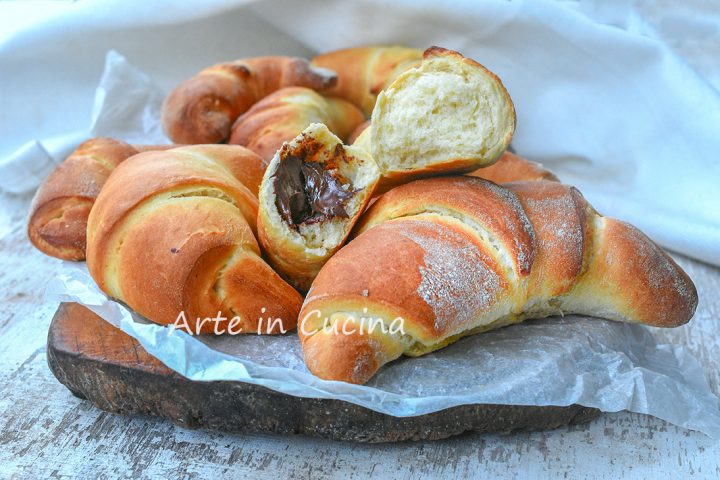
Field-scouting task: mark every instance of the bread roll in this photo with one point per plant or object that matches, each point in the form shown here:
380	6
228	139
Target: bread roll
203	108
281	116
455	256
311	196
172	233
450	115
57	225
363	72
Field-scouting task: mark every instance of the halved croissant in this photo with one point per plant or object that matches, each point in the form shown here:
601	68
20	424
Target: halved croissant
172	233
364	71
452	256
203	108
281	116
313	192
57	225
449	115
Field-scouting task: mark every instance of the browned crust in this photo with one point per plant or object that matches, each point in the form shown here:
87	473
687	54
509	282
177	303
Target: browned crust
558	214
401	263
513	168
147	174
248	168
352	357
57	224
358	130
281	116
192	249
635	280
509	168
203	108
583	263
493	207
364	71
606	267
58	214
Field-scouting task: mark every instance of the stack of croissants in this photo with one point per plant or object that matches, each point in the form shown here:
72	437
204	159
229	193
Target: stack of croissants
367	183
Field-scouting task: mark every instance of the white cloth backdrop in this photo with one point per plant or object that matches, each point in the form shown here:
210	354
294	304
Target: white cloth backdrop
600	98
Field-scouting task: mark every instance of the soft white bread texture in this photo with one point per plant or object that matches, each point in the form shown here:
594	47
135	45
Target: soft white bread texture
297	250
449	115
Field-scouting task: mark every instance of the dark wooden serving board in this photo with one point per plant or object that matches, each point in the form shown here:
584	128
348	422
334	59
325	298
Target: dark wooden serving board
102	364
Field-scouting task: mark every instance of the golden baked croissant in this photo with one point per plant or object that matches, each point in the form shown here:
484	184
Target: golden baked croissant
417	129
171	233
453	256
203	108
312	194
281	116
364	71
449	115
57	225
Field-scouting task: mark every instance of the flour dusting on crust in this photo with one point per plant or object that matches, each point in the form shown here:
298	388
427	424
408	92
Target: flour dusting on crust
660	273
524	260
518	225
557	215
457	281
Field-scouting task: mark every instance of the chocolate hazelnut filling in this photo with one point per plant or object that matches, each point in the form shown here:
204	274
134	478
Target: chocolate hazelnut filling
309	192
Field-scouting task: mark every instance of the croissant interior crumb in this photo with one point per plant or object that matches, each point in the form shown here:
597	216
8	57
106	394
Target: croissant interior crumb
443	111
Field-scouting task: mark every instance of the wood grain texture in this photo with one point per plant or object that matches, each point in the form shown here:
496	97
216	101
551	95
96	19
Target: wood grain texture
98	362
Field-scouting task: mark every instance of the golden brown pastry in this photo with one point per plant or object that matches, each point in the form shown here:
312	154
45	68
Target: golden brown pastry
203	108
57	225
513	168
172	232
364	71
453	256
311	196
357	132
281	116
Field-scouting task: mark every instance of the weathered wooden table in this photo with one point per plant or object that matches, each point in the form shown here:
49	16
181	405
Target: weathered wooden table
45	431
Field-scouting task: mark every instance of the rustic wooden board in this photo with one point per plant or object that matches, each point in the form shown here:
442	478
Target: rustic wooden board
102	364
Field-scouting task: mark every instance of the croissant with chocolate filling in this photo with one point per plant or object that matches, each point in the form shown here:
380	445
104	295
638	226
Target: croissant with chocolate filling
312	193
172	233
453	256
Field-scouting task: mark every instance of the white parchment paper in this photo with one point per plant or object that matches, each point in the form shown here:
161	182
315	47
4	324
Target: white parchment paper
556	361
